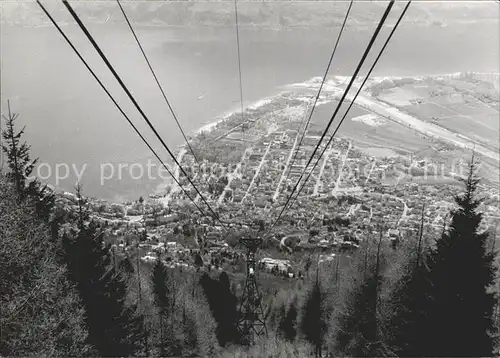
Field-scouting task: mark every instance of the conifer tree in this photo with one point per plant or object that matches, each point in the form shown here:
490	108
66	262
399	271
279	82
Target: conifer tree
125	265
41	313
190	330
197	334
358	331
198	261
115	329
18	156
313	323
83	213
229	312
461	275
278	316
223	304
409	303
21	166
162	299
288	322
44	200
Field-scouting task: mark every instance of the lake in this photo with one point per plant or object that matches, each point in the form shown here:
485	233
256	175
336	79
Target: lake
70	120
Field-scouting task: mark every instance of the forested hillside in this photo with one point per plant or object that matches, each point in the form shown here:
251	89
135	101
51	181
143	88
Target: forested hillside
251	13
65	291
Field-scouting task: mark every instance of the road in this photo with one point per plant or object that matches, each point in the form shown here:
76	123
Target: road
337	183
283	244
235	174
322	169
352	209
257	171
405	208
283	175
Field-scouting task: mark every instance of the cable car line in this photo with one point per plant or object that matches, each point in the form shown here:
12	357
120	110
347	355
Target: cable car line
239	57
358	68
319	91
115	102
354	99
156	79
131	97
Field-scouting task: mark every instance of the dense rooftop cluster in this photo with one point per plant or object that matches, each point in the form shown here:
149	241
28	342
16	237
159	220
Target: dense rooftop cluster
247	172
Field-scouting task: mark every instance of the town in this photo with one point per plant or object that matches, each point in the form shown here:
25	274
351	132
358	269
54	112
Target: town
247	167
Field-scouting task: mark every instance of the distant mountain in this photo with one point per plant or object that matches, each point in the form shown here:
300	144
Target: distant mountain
250	13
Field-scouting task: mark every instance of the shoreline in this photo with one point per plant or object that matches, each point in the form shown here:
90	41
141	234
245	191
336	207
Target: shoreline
331	85
210	126
361	25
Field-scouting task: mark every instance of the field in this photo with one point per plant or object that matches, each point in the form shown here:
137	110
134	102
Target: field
462	104
373	134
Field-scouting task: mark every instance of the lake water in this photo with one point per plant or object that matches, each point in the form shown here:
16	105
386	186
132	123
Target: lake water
70	120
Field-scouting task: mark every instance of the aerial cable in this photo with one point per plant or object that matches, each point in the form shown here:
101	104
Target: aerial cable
358	68
354	98
319	91
156	79
239	59
115	103
117	77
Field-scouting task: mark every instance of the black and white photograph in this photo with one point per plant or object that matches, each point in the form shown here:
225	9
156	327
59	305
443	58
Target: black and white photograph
249	178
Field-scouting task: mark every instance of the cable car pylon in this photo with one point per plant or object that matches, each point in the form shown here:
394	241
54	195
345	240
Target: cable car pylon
251	321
